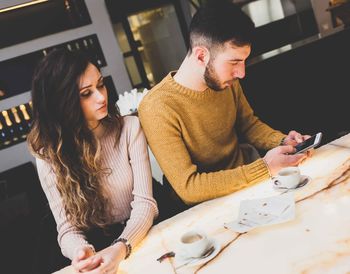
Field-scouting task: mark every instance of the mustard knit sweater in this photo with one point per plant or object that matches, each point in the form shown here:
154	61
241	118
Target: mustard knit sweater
193	135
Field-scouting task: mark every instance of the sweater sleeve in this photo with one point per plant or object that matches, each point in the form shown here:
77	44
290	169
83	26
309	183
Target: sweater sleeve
69	238
256	132
143	207
163	133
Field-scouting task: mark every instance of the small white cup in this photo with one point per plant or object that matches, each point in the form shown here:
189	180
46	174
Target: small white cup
194	243
288	177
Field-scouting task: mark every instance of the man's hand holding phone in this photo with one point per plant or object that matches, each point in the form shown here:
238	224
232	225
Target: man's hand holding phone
309	143
295	149
282	156
303	143
293	138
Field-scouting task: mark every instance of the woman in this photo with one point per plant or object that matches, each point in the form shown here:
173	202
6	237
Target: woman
92	163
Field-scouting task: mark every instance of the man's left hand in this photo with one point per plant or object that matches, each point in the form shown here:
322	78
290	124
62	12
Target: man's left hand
293	138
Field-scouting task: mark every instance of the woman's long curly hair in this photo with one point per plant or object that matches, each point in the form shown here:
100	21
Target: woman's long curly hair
60	136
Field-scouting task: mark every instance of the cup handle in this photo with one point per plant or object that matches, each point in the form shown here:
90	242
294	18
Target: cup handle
276	182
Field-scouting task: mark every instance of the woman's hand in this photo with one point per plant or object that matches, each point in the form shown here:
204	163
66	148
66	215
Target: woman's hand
84	259
111	257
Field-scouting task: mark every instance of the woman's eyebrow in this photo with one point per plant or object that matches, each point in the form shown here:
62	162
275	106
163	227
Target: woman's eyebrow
99	79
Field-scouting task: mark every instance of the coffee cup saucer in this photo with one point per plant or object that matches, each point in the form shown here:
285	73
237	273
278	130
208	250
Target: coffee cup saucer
182	259
304	180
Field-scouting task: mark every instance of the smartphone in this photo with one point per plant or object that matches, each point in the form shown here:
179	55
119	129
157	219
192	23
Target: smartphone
310	143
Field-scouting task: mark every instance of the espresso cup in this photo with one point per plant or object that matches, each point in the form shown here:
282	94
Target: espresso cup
288	177
194	244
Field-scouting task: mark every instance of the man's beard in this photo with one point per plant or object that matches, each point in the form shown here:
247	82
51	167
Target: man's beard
211	78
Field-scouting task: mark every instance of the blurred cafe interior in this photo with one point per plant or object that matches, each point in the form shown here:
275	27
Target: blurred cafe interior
297	76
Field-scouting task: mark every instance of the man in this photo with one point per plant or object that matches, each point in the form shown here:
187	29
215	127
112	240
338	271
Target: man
193	116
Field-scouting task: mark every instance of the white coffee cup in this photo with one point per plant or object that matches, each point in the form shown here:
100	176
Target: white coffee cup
194	243
288	177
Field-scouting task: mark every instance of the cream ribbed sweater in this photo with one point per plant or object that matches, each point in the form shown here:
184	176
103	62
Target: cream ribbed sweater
129	186
193	135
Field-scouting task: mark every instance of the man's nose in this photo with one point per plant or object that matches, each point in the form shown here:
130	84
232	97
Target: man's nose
239	71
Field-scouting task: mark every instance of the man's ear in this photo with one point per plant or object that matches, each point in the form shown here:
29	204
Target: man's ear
201	55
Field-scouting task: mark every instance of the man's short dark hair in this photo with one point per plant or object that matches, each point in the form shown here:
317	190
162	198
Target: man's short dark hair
218	22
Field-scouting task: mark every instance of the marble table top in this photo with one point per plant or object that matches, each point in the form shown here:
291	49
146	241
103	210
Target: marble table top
317	240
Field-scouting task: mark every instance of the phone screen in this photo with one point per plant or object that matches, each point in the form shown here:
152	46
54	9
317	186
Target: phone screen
306	143
309	143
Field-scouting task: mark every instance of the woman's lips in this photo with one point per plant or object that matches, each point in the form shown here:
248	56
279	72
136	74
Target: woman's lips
102	107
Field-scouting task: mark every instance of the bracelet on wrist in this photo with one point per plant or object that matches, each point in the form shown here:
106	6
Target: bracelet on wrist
127	245
92	248
282	141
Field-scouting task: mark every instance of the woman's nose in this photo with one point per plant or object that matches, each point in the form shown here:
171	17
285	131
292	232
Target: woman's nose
99	96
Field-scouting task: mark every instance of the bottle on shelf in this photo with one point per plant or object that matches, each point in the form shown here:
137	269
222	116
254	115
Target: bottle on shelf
4	141
20	127
25	114
11	135
87	50
77	46
94	52
69	47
